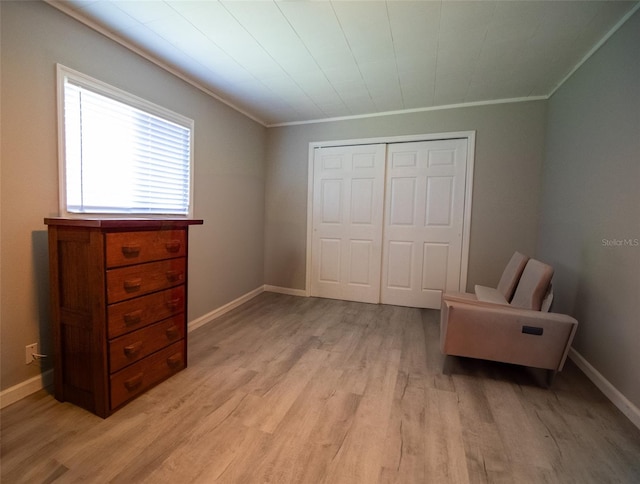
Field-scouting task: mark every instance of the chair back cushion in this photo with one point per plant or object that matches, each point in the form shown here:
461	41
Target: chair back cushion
511	275
533	286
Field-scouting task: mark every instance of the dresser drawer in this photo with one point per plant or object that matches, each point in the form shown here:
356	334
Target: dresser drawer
126	248
136	313
132	281
138	377
134	346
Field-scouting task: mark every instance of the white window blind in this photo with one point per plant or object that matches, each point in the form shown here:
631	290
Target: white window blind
123	155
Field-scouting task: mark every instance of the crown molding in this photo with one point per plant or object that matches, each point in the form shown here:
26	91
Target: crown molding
64	8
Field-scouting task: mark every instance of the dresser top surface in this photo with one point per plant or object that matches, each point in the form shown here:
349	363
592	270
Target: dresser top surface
123	223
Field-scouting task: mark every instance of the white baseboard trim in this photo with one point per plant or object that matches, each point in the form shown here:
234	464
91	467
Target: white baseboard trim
32	385
216	313
25	388
612	393
285	290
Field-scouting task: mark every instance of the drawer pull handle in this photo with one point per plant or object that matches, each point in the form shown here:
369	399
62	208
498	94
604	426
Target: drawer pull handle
134	382
132	285
173	246
132	250
134	317
172	332
174	304
132	350
174	361
173	276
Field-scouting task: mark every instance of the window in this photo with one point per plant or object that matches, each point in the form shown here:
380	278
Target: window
119	154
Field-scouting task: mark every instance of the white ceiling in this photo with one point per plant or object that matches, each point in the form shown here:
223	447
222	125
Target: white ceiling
294	61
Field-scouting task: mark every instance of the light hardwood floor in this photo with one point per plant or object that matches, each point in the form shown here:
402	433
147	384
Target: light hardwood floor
287	389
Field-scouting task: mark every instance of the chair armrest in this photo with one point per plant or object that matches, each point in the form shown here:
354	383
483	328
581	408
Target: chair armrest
505	309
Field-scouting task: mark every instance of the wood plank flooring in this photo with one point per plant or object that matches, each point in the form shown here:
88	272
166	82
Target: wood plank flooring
287	389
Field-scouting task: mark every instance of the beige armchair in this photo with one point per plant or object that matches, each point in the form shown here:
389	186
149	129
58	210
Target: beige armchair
486	325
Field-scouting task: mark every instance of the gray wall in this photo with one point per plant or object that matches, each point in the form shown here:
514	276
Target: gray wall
591	200
508	165
226	252
255	217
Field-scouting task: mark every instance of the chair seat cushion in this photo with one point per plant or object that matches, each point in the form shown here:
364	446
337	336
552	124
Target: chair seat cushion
490	295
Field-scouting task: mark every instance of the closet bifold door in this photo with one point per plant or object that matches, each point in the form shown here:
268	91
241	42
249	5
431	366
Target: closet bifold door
348	201
388	221
424	221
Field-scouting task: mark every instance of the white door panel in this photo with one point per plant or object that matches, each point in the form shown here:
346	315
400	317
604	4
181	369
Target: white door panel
439	202
348	205
331	201
362	191
400	257
402	203
435	260
329	255
360	261
424	214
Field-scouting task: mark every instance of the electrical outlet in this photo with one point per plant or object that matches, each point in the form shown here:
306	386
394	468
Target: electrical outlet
30	350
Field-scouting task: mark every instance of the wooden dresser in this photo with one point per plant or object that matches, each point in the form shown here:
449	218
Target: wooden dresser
118	307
